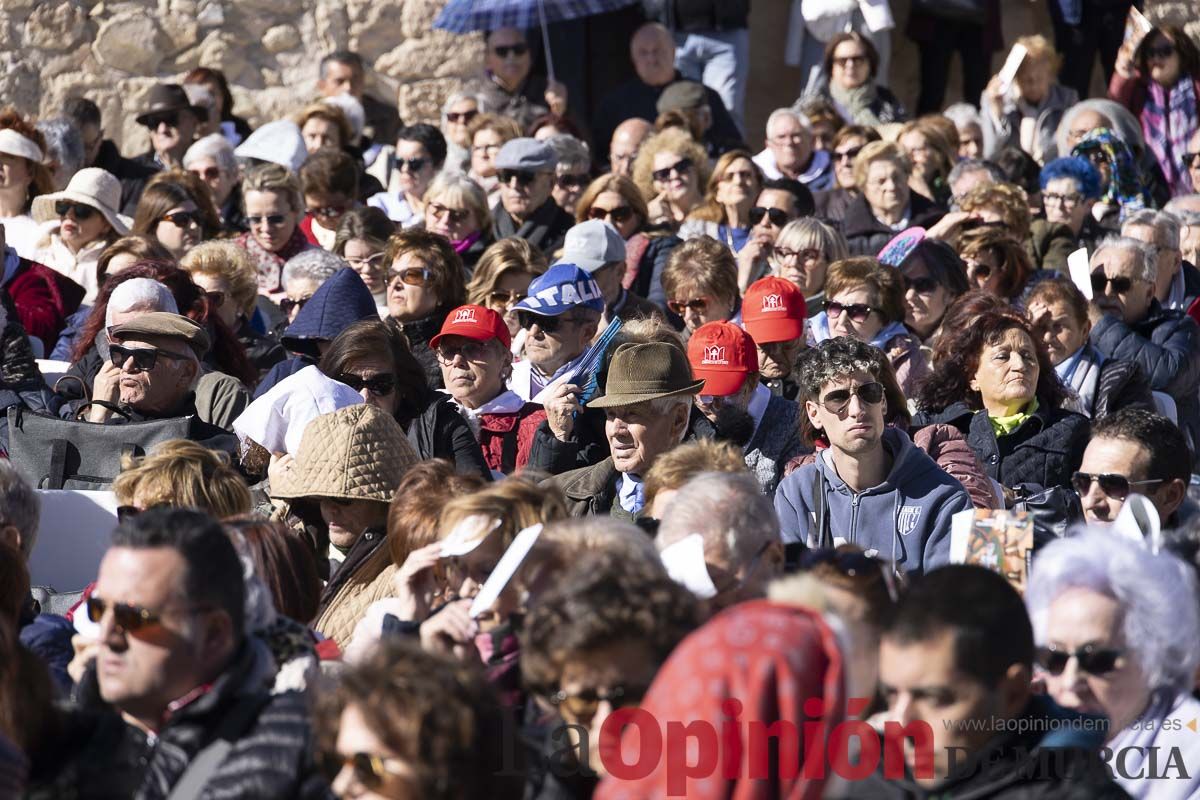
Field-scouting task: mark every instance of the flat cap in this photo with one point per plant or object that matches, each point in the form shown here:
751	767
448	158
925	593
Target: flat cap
526	154
681	96
164	323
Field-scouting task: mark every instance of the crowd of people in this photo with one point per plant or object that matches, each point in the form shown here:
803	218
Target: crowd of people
567	449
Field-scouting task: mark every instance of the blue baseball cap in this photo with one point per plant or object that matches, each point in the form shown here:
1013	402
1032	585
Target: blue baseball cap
561	288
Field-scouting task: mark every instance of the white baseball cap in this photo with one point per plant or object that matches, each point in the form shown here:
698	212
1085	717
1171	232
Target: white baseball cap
592	244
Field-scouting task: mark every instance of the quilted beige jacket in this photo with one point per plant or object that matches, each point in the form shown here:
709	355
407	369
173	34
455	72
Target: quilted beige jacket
372	581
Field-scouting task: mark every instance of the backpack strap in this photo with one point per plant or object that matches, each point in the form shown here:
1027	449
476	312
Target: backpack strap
824	537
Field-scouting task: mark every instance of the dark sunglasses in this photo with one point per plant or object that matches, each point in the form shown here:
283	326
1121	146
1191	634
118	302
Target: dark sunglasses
620	214
778	216
847	155
699	305
571	181
1114	486
287	304
584	704
272	220
505	296
1092	660
680	167
858	312
369	770
169	117
81	212
181	219
380	385
461	117
128	617
523	177
504	51
208	173
413	276
1189	159
926	284
411	164
328	212
472	351
215	299
839	399
457	215
1160	51
144	358
1119	284
550	325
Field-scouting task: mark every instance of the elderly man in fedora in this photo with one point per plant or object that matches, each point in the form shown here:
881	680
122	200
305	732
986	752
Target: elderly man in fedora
647	400
173	121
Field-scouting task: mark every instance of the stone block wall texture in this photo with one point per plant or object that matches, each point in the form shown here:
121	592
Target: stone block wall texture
114	51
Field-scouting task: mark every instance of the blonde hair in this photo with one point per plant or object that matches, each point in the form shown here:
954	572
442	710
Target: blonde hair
679	465
1008	199
511	254
704	265
275	178
879	151
456	187
711	210
516	502
183	474
226	260
612	183
1039	50
671	140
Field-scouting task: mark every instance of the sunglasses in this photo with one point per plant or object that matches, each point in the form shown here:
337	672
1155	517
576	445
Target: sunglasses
272	220
287	304
847	155
457	215
778	216
504	297
81	212
620	214
1120	284
181	219
680	167
849	61
839	399
472	351
571	181
858	312
550	325
584	704
329	212
413	276
369	770
215	299
128	617
144	358
170	117
807	254
461	117
411	164
504	51
698	305
523	177
208	173
1114	486
1091	659
1160	51
379	385
923	285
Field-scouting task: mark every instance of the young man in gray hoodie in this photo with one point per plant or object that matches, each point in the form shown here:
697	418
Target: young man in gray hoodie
871	486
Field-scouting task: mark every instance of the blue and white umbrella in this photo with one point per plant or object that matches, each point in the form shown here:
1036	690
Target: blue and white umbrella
465	16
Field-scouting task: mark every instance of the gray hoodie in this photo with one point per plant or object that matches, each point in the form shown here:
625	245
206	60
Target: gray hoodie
906	519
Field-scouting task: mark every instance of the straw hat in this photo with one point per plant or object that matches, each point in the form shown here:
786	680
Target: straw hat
641	372
92	187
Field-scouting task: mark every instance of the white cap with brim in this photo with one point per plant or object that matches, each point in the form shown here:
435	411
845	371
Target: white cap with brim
16	144
279	142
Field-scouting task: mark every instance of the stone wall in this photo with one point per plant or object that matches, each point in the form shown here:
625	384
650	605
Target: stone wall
113	52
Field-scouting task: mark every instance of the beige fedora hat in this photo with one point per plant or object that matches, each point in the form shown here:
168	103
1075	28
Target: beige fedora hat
92	187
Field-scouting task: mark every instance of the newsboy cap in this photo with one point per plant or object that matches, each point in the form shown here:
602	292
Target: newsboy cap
164	323
526	154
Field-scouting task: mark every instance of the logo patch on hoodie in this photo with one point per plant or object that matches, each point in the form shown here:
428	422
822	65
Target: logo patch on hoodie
907	520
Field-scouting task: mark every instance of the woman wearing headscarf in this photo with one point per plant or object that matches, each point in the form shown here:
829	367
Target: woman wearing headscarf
1122	183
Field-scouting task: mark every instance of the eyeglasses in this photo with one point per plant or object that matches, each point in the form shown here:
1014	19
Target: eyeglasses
1189	159
287	304
1120	284
1091	659
144	358
858	312
369	770
461	117
778	216
550	325
81	212
584	704
457	215
472	350
378	385
328	212
569	181
504	297
807	254
486	149
368	263
272	220
207	174
215	299
523	177
619	215
504	51
847	155
413	276
849	61
679	168
926	284
181	219
1115	486
698	305
1160	51
171	118
411	164
1065	200
838	400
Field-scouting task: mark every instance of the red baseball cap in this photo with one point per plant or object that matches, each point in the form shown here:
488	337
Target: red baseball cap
723	355
474	322
774	310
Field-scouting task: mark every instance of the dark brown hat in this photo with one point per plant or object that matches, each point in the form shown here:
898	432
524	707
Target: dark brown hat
641	372
168	98
164	323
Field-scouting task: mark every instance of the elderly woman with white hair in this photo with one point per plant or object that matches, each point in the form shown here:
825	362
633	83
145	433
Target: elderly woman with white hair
458	111
457	208
1118	634
211	159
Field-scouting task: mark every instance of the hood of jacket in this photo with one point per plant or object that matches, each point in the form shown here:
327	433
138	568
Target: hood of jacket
340	301
908	464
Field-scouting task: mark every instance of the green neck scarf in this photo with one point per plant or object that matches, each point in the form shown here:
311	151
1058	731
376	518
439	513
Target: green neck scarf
1002	426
